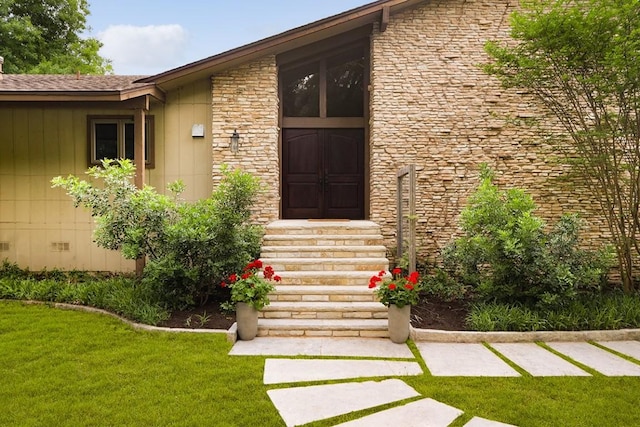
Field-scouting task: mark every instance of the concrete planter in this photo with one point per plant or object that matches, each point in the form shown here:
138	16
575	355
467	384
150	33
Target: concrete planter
399	323
247	319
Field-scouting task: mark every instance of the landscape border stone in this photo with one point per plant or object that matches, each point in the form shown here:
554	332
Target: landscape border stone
416	334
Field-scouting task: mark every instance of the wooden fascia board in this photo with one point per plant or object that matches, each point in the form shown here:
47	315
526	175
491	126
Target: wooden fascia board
384	20
365	14
71	96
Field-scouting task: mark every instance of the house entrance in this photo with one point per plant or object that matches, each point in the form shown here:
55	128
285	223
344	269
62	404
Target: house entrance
323	173
323	119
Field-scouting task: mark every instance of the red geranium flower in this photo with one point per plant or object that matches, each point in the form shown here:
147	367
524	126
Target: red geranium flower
413	277
277	278
268	272
396	271
233	278
372	285
257	263
392	287
223	284
408	287
382	273
246	276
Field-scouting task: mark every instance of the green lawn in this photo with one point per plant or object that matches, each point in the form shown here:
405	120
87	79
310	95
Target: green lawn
67	368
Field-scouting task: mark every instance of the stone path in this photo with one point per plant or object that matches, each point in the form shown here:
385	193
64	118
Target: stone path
379	358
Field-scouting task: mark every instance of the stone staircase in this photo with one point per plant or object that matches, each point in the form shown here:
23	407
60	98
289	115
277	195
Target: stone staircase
325	268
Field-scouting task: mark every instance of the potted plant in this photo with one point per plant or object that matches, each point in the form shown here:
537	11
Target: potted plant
249	294
399	293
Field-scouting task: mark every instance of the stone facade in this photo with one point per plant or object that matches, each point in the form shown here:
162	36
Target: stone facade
246	99
433	106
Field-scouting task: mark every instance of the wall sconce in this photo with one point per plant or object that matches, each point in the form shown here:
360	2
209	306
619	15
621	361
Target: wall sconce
235	141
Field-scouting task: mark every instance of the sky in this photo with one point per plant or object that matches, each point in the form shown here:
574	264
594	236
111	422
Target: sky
145	37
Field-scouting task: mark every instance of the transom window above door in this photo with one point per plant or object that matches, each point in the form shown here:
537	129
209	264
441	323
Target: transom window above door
331	85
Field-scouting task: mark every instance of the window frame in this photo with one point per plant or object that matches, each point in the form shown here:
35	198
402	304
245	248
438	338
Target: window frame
120	121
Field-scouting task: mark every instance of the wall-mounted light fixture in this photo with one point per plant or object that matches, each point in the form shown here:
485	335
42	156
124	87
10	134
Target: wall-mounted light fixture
235	141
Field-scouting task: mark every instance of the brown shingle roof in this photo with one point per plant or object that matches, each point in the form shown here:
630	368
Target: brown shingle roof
68	83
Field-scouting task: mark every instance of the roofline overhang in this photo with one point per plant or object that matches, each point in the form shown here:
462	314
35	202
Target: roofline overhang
288	40
84	96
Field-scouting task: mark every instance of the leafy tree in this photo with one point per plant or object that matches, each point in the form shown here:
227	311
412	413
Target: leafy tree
191	247
43	36
581	58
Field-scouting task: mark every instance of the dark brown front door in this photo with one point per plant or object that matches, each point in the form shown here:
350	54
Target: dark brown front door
323	173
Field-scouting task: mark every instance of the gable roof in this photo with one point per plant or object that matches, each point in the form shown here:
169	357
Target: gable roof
64	88
288	40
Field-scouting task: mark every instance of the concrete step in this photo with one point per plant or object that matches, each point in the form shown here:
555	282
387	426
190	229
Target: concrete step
281	265
323	240
370	328
328	278
329	252
324	310
322	227
335	293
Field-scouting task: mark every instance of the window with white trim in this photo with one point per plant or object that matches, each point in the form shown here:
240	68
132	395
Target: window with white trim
112	137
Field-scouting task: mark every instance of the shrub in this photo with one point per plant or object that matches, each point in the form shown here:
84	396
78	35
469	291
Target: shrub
119	294
507	256
190	246
600	311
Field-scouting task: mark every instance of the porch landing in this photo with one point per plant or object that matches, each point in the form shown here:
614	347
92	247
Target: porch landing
325	267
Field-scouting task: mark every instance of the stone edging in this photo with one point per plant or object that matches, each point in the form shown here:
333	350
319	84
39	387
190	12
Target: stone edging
231	333
435	335
430	335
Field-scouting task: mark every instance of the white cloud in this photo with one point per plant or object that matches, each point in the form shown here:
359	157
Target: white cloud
144	50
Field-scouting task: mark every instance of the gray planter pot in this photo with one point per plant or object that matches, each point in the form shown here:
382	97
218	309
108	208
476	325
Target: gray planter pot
399	323
247	319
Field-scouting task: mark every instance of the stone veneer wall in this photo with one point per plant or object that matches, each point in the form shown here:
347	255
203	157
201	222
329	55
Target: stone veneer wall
433	106
246	98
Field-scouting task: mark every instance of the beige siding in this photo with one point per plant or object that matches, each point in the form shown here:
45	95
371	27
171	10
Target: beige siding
40	224
432	105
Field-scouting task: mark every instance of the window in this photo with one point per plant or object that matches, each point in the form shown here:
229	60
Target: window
332	86
112	137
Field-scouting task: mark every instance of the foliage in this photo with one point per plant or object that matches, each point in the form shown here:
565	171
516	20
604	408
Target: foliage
581	60
44	36
253	287
441	285
595	312
190	246
119	294
507	256
396	290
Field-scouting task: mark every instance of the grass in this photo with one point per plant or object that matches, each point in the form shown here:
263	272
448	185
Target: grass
66	368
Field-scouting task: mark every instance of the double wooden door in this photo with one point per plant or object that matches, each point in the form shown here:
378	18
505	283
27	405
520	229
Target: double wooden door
323	173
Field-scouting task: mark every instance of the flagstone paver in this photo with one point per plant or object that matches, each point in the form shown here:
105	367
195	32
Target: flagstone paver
630	348
337	347
421	413
278	371
465	360
302	405
537	361
597	358
482	422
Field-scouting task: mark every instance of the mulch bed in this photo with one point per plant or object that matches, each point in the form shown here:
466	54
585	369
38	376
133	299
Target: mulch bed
429	314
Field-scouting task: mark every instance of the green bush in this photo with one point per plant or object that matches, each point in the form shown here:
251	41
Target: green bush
507	256
119	294
190	247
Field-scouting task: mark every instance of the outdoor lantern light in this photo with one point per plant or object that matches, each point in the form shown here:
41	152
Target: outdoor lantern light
235	141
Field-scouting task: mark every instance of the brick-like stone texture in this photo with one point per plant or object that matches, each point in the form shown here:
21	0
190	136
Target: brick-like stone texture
433	106
246	99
